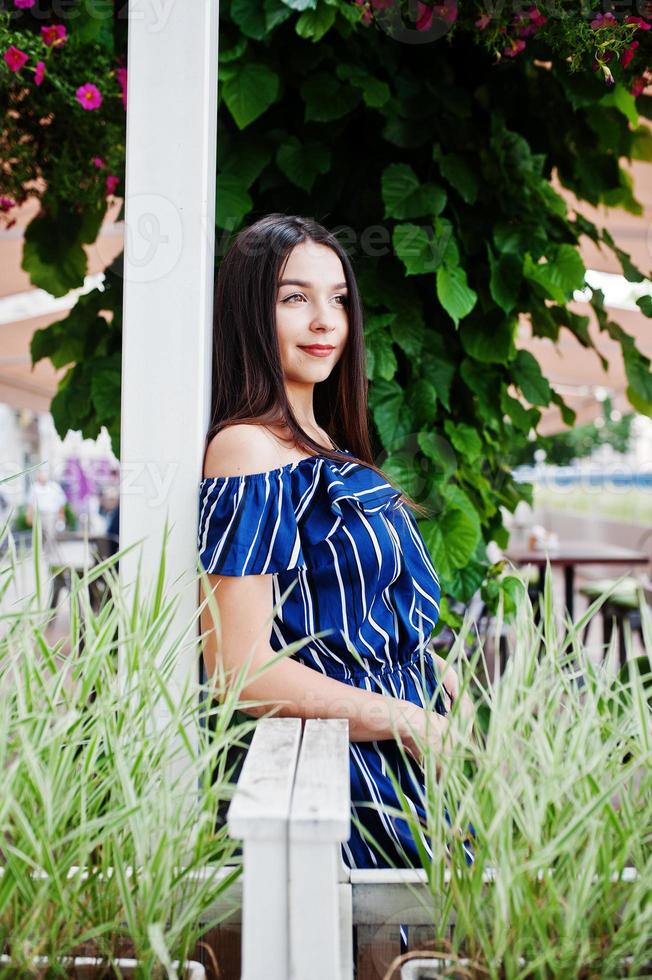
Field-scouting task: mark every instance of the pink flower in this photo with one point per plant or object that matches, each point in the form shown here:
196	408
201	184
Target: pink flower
529	22
111	183
7	203
121	74
24	4
366	16
643	24
446	11
54	34
515	47
97	162
39	72
483	21
628	54
15	58
640	83
424	16
603	20
608	77
88	96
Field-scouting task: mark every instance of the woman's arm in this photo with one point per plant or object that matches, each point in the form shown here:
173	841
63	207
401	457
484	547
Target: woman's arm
245	606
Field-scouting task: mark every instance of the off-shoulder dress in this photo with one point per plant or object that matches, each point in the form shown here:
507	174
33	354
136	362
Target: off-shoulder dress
363	580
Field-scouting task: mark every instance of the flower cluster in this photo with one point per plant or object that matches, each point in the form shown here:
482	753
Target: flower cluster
506	33
33	51
53	36
445	11
606	24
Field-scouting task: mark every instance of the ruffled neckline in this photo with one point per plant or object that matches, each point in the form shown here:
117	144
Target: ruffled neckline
287	467
360	486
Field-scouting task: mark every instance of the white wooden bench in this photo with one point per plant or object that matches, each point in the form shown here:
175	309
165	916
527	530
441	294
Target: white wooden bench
300	902
327	899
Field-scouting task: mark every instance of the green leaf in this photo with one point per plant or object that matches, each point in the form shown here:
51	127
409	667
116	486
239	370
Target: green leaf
105	387
375	92
249	15
465	439
464	582
644	304
419	252
637	369
567	413
232	54
326	99
381	360
641	148
560	276
300	4
440	372
505	279
519	237
622	99
250	92
527	375
622	196
408	334
422	397
244	158
458	173
492	343
232	201
454	293
630	271
523	418
406	197
276	12
391	413
451	540
313	24
641	405
439	451
52	252
303	162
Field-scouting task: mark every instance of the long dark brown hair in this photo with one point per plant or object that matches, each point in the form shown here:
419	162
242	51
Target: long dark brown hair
248	384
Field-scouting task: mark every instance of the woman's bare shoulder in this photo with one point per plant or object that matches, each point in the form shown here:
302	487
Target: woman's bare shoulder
243	448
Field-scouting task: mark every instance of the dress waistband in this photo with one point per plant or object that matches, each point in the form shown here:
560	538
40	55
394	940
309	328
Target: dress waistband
354	672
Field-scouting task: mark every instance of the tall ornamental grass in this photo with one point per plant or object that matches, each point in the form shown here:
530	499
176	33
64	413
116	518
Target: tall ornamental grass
110	781
552	785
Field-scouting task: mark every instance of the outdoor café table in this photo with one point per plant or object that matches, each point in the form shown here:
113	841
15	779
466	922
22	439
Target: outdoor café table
568	554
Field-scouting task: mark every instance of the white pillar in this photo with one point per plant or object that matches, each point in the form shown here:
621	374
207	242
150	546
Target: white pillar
168	290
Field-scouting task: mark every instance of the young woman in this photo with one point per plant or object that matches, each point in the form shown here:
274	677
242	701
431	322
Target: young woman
291	502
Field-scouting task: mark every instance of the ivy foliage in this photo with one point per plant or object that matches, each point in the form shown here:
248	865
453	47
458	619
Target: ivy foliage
433	164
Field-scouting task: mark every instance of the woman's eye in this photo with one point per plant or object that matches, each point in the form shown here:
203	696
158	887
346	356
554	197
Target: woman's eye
343	298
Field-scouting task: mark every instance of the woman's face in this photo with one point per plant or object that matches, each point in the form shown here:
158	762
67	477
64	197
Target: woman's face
311	308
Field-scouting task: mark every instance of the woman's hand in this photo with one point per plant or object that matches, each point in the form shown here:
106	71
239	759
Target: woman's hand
418	728
451	684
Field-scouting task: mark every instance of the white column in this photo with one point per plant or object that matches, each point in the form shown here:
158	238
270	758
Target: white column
168	290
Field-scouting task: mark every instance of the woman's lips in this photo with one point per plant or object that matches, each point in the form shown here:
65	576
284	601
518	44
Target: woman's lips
318	351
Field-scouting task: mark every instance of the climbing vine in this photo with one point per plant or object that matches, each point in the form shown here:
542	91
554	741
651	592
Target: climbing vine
427	139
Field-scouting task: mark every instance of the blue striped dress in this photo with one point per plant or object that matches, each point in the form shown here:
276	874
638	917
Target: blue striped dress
363	595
